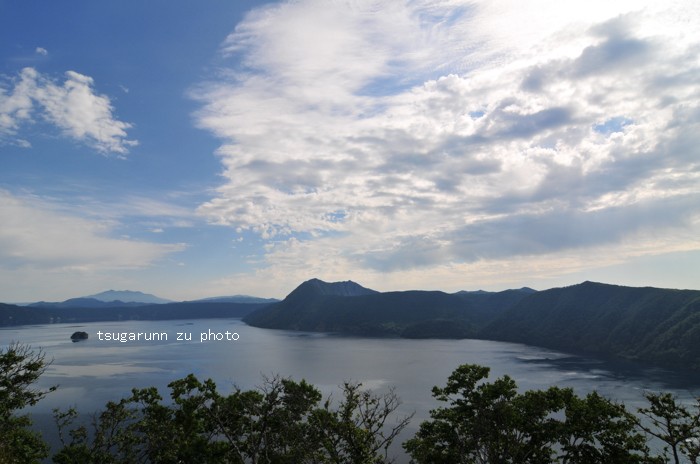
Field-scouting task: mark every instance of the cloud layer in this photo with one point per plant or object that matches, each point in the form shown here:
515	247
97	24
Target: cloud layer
73	107
55	247
392	137
36	234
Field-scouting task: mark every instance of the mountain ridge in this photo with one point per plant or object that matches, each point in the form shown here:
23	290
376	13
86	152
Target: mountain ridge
646	324
83	302
650	324
319	287
348	307
128	296
235	299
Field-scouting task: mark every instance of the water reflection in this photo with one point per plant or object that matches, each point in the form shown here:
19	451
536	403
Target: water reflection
616	370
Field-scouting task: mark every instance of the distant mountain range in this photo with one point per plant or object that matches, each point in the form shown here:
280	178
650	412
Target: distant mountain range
83	302
653	325
115	305
236	299
25	315
121	298
128	296
107	299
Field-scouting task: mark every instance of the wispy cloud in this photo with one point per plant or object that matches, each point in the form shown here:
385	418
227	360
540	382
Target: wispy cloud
386	136
35	234
73	107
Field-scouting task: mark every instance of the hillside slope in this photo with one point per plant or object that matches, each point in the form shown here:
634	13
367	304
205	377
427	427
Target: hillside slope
330	307
24	315
660	326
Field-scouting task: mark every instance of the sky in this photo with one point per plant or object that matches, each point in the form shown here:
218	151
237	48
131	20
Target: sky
199	149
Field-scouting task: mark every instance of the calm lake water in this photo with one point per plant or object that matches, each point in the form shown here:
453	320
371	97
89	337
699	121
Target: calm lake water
91	372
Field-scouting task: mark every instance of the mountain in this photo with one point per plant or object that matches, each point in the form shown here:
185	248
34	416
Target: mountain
120	298
23	315
128	296
660	326
347	307
83	303
646	324
484	292
236	299
315	287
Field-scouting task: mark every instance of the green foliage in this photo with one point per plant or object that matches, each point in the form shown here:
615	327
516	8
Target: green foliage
675	424
491	422
356	431
20	367
596	429
280	422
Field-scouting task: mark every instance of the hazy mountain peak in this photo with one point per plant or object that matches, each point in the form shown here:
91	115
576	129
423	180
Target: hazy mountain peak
127	296
527	290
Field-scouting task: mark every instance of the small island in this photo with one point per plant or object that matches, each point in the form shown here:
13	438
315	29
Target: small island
78	336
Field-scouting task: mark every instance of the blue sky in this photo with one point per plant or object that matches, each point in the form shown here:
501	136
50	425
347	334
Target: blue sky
214	148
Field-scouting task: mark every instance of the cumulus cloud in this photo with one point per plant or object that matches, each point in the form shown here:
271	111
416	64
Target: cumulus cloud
35	234
73	107
389	136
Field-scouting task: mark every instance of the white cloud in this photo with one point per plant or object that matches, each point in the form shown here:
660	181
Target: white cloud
292	261
73	107
41	51
35	234
388	136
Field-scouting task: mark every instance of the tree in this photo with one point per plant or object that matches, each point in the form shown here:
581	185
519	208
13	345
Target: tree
674	423
596	429
357	430
491	422
268	424
141	429
487	422
279	422
20	368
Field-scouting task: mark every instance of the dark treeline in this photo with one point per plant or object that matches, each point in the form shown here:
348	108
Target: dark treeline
23	315
285	421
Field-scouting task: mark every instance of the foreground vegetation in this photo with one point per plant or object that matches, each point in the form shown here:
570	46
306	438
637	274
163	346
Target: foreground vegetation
284	421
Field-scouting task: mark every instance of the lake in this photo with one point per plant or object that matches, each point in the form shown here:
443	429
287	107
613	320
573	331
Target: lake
91	372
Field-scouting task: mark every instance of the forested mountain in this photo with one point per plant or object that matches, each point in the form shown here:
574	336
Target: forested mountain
84	302
235	299
347	307
23	315
656	325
